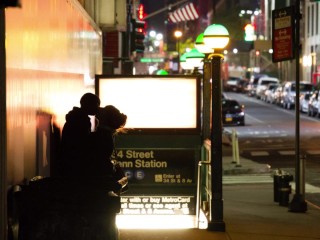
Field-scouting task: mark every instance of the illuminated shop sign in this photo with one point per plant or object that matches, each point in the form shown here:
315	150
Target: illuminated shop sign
153	102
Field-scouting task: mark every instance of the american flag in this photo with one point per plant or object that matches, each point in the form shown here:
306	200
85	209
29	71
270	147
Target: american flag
186	13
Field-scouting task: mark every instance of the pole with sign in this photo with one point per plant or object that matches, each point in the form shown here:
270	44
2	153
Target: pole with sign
298	203
286	46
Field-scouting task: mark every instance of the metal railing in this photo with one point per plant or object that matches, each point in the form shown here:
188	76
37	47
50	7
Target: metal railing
204	194
204	181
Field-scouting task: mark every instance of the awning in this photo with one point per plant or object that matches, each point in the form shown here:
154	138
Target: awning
187	12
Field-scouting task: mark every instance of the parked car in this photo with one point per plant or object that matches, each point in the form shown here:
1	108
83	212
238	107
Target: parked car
252	85
277	95
233	84
268	95
289	92
232	112
224	96
263	83
313	106
244	85
236	84
304	102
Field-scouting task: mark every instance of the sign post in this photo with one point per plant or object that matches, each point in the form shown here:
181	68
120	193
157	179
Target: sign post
286	46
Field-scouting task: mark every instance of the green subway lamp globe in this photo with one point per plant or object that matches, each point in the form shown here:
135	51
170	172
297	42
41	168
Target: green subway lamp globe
162	72
199	44
195	58
216	36
183	62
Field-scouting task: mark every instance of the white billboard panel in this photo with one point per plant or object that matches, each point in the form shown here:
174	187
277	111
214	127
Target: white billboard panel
153	102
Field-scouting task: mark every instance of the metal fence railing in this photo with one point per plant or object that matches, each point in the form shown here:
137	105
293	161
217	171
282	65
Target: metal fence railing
204	182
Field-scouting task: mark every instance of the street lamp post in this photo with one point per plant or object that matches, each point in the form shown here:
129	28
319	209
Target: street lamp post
216	37
206	92
178	35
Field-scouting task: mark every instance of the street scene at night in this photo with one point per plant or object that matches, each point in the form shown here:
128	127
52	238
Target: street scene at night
159	119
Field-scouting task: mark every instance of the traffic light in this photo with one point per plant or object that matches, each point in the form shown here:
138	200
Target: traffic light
249	32
137	35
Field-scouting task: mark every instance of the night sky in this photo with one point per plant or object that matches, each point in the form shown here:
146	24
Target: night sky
156	22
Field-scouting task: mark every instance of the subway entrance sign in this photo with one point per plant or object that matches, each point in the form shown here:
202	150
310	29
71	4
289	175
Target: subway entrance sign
163	184
283	34
161	149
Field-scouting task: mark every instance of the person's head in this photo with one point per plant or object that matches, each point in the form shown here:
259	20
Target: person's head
111	116
90	103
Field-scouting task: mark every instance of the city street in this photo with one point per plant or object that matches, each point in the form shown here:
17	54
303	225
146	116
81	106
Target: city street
154	61
269	138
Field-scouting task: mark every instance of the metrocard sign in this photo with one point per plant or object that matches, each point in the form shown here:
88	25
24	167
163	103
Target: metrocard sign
283	34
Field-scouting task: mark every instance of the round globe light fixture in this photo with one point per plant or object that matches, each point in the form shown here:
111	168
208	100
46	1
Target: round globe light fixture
194	58
183	62
216	37
199	44
162	72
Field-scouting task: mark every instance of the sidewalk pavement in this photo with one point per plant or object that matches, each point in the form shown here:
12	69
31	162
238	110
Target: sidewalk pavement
249	214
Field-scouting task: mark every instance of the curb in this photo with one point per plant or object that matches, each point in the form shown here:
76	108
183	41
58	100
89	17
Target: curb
245	166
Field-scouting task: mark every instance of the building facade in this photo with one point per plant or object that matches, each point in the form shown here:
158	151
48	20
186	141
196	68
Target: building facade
311	43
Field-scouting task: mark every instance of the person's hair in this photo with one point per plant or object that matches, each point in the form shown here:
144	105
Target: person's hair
111	116
90	103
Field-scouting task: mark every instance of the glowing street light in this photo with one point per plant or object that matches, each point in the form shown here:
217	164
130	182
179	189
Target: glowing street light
216	37
152	33
195	58
200	45
161	72
183	62
178	34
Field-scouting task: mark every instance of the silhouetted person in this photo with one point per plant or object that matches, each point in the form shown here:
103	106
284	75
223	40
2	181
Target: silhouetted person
111	121
77	137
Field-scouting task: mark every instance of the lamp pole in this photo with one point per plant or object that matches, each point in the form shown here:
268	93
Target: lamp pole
206	130
216	223
178	55
178	35
216	37
206	97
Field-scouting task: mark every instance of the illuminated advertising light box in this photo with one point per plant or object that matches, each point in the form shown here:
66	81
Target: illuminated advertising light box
153	102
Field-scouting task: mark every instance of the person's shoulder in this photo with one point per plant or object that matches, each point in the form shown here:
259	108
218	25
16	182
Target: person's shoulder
75	114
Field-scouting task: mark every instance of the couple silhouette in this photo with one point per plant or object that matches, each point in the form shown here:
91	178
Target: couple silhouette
85	149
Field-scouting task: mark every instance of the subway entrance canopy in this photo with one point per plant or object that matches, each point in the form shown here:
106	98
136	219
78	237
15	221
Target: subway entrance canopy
161	148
